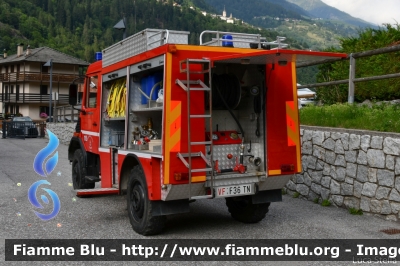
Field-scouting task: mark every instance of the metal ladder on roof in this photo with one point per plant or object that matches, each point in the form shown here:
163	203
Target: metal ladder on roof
189	85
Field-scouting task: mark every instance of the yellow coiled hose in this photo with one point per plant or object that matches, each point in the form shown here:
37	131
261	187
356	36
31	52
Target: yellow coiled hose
116	100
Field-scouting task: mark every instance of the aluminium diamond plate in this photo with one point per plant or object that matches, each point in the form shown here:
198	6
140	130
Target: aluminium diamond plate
141	42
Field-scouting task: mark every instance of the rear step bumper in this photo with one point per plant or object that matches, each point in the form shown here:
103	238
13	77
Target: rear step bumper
92	179
96	191
199	189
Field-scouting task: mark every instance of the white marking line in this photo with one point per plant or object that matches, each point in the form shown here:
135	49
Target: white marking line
165	248
173	251
91	133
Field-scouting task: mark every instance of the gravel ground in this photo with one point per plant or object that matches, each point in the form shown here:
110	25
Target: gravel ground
106	217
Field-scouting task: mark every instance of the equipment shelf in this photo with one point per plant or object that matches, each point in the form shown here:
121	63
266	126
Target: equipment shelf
148	109
114	118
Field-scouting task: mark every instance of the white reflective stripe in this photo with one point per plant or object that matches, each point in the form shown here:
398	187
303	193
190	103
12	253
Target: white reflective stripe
96	134
138	154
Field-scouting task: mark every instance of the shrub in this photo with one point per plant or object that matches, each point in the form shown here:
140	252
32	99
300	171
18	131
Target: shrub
379	117
43	115
376	65
326	203
355	211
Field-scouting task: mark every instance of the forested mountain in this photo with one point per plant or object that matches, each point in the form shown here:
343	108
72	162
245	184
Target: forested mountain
248	9
82	27
299	19
319	9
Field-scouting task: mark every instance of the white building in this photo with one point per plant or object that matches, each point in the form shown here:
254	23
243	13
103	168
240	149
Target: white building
25	81
229	19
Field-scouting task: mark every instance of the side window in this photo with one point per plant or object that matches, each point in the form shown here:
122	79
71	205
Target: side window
6	92
80	93
43	89
43	109
92	99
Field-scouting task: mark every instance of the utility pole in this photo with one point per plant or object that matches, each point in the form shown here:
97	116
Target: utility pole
134	4
50	64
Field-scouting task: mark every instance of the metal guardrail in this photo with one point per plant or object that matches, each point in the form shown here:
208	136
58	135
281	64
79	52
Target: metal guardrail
23	130
141	42
163	39
352	70
31	98
243	40
37	76
65	114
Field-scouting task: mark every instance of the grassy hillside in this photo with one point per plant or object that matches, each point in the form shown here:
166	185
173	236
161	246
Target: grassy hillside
293	21
383	117
319	9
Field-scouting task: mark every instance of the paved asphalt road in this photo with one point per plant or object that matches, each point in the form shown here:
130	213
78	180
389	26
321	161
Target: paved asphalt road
106	217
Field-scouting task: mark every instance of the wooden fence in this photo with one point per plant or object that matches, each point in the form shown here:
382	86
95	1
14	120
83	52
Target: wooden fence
352	70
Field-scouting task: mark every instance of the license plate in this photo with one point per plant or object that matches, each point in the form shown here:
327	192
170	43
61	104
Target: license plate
237	190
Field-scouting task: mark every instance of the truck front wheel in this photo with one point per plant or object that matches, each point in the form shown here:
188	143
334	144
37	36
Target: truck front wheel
140	207
243	210
79	172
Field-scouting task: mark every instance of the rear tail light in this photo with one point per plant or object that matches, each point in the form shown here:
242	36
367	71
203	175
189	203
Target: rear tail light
181	176
287	167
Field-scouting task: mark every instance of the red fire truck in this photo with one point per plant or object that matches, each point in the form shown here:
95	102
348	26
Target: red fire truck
168	123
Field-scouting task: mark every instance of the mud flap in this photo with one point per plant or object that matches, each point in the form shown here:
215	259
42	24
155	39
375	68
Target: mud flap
267	196
170	207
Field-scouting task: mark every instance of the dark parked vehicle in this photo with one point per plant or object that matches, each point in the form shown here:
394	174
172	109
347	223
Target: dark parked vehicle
23	126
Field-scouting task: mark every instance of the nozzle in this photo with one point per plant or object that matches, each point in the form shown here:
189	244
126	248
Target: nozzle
255	160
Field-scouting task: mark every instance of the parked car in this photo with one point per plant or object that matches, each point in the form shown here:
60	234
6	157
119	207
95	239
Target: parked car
305	96
23	126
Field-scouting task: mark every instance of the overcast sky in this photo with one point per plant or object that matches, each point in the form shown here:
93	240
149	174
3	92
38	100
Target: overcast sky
375	11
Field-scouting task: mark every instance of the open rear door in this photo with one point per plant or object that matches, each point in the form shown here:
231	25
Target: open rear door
282	133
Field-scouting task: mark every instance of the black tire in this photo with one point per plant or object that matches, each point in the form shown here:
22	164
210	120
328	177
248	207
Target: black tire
140	207
79	172
243	210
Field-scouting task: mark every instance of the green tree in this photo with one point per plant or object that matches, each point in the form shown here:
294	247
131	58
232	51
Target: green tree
368	39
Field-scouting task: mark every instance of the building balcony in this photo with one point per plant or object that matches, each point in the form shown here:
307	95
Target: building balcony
32	98
37	77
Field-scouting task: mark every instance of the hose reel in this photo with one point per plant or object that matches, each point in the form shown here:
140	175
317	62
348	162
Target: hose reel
228	86
227	93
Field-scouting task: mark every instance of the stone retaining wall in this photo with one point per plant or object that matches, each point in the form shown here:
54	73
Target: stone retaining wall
350	168
64	131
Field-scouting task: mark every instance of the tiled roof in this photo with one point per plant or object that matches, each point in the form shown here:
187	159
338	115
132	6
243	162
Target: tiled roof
43	54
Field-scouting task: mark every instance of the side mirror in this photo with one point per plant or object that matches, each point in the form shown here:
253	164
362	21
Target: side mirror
73	94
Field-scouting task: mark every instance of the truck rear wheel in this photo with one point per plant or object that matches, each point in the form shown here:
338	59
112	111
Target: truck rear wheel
79	172
243	210
140	207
